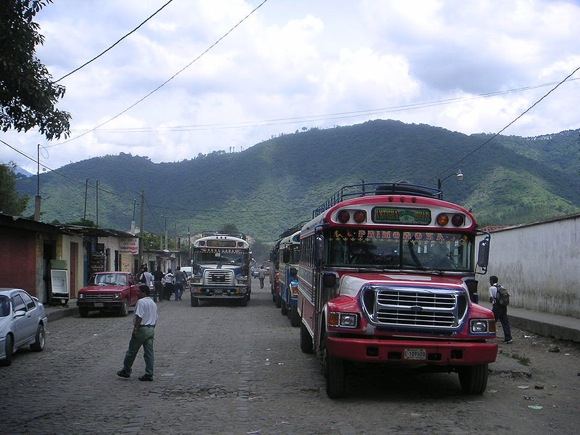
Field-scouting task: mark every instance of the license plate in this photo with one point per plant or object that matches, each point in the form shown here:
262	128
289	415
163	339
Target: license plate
99	305
218	292
415	354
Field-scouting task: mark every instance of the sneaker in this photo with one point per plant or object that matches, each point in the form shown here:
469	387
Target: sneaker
145	378
123	374
510	341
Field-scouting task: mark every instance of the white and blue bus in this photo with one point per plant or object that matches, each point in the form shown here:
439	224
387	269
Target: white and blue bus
221	268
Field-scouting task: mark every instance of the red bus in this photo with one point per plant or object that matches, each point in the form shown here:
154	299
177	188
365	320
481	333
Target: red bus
387	275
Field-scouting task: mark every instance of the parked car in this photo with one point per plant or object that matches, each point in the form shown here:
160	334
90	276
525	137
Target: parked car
22	323
109	292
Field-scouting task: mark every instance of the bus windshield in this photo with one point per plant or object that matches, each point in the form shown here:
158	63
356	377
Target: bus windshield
400	250
220	256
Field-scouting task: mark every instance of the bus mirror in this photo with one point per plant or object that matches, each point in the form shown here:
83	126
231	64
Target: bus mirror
328	280
318	250
483	253
286	256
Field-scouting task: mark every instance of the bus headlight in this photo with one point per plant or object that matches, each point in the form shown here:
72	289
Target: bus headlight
342	320
482	326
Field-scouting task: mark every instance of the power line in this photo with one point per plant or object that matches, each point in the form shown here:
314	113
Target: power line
509	124
119	40
168	80
321	117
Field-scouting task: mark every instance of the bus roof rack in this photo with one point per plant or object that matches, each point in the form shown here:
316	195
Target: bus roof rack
223	233
368	189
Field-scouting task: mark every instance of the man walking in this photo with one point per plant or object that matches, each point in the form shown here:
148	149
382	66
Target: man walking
262	275
499	309
180	281
143	335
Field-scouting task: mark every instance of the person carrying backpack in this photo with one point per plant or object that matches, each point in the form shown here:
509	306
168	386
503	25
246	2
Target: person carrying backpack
499	297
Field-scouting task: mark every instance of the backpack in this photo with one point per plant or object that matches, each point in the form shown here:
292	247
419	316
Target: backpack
502	295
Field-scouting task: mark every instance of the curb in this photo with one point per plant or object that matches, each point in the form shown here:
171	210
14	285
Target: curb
59	314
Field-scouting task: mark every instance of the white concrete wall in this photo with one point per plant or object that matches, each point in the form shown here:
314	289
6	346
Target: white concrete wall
539	264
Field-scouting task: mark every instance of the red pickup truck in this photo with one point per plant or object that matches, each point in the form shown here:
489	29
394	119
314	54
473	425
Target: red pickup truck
110	292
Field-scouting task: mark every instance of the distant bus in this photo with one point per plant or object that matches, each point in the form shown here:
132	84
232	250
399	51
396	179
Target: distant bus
387	275
288	258
221	268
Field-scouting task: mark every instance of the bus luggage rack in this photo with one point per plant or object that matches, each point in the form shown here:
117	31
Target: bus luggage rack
366	189
414	308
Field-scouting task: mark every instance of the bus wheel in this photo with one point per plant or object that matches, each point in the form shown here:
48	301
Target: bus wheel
283	308
194	302
306	345
335	377
473	379
294	317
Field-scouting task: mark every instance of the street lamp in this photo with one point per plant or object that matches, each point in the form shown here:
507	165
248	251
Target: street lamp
458	174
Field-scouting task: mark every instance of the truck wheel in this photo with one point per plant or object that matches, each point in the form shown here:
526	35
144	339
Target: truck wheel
244	301
294	317
473	379
38	345
335	379
8	349
194	302
306	345
283	308
124	310
83	312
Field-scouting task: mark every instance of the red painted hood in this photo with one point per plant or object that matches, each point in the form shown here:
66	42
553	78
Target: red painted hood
104	288
351	283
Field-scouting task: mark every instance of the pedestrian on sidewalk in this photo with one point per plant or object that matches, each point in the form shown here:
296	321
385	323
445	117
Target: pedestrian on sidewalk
499	309
143	335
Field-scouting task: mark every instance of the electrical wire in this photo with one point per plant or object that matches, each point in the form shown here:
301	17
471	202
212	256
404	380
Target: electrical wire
473	151
321	117
168	80
118	41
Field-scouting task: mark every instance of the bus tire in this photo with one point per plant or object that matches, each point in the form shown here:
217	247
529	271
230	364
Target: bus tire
306	345
473	379
294	317
335	377
194	302
283	308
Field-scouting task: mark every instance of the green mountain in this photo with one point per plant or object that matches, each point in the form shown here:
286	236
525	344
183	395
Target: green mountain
277	183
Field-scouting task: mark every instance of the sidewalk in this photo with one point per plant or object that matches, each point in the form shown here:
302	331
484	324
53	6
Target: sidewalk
55	312
545	324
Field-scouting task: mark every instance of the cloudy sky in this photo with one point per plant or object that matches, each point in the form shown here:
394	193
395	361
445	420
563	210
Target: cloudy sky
297	64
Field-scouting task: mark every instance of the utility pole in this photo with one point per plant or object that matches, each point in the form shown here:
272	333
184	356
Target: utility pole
141	229
86	192
97	216
37	197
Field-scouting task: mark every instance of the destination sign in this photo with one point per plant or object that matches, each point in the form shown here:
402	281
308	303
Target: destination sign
222	243
401	215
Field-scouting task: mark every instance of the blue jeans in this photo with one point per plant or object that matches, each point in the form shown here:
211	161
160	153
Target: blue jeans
142	337
178	291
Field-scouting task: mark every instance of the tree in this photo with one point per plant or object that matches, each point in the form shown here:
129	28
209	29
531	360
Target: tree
27	92
10	202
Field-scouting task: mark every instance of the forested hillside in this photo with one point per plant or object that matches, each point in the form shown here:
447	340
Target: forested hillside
275	184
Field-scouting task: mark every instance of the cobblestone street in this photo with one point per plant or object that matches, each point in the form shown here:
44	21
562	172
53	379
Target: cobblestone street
223	368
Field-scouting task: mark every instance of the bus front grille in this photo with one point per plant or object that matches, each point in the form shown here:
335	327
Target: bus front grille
414	308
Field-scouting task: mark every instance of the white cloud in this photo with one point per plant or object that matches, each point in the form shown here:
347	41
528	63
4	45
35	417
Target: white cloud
299	59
